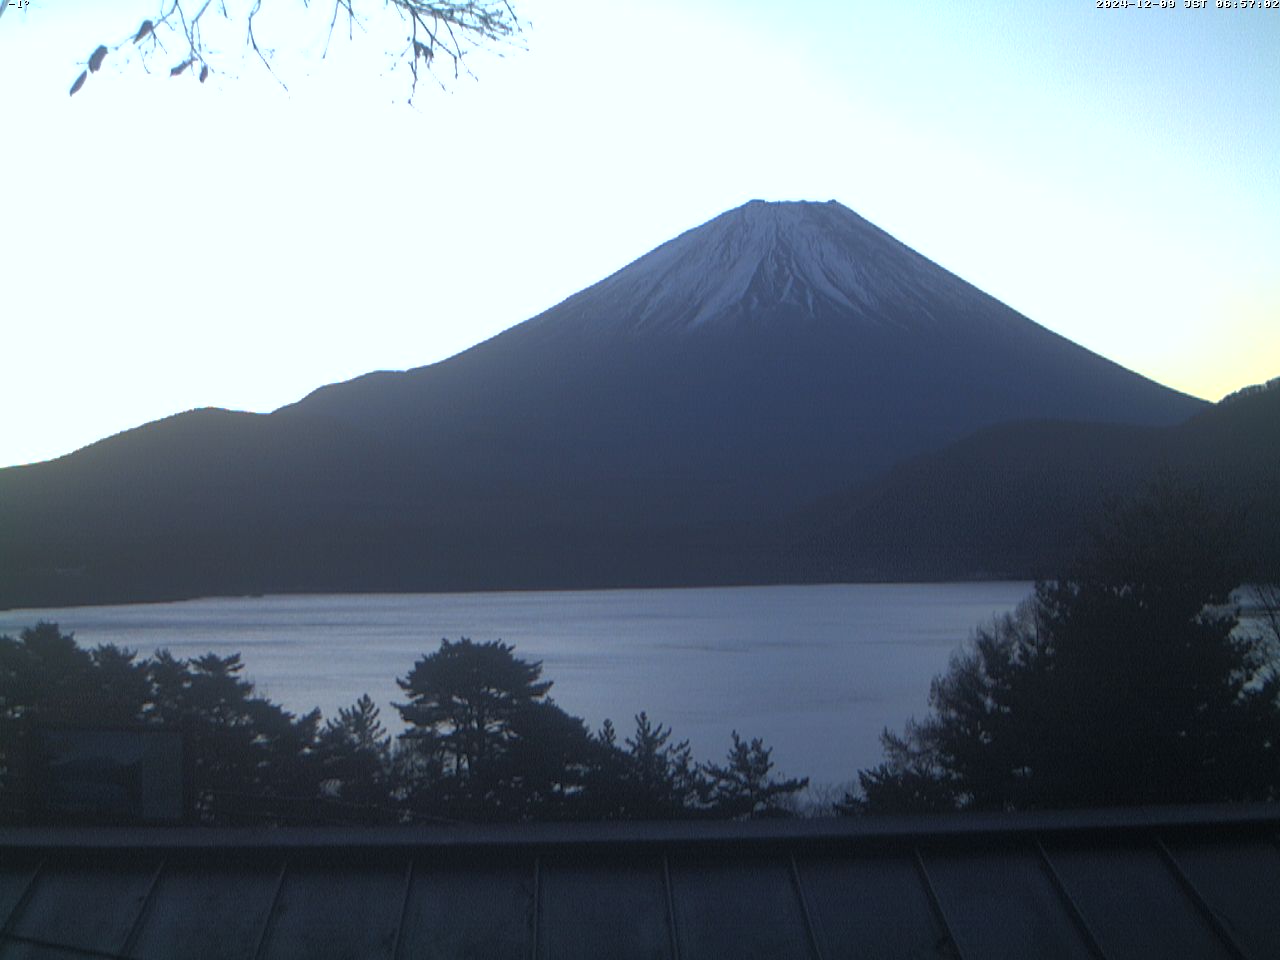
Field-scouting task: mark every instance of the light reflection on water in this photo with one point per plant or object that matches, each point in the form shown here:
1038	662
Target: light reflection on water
816	671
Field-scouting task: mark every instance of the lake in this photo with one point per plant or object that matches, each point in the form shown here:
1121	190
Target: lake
816	671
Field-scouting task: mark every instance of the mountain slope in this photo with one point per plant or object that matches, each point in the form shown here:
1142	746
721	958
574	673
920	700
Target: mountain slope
1018	500
775	354
653	429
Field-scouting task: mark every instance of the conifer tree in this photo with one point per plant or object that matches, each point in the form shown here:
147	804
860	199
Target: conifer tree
1127	683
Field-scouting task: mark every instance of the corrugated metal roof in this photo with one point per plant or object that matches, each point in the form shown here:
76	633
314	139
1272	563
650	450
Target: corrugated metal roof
1187	882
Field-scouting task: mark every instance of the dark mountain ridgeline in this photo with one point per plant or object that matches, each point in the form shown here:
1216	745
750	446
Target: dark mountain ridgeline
1018	500
655	429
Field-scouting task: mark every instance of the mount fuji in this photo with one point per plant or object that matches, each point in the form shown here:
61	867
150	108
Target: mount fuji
653	429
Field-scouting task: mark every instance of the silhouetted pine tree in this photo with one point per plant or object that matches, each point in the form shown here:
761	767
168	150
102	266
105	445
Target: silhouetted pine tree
1128	683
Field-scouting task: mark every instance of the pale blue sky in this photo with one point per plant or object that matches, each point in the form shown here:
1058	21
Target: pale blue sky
1112	174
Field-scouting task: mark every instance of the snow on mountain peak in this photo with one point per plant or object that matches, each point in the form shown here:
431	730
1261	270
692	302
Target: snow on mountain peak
770	260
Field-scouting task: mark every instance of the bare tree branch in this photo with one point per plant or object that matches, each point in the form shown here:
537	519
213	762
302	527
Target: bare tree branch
338	7
438	29
253	42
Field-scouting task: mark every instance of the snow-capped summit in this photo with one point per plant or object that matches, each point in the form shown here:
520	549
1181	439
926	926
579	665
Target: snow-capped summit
777	262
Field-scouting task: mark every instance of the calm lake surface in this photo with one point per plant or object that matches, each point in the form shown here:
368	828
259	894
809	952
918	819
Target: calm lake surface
816	671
